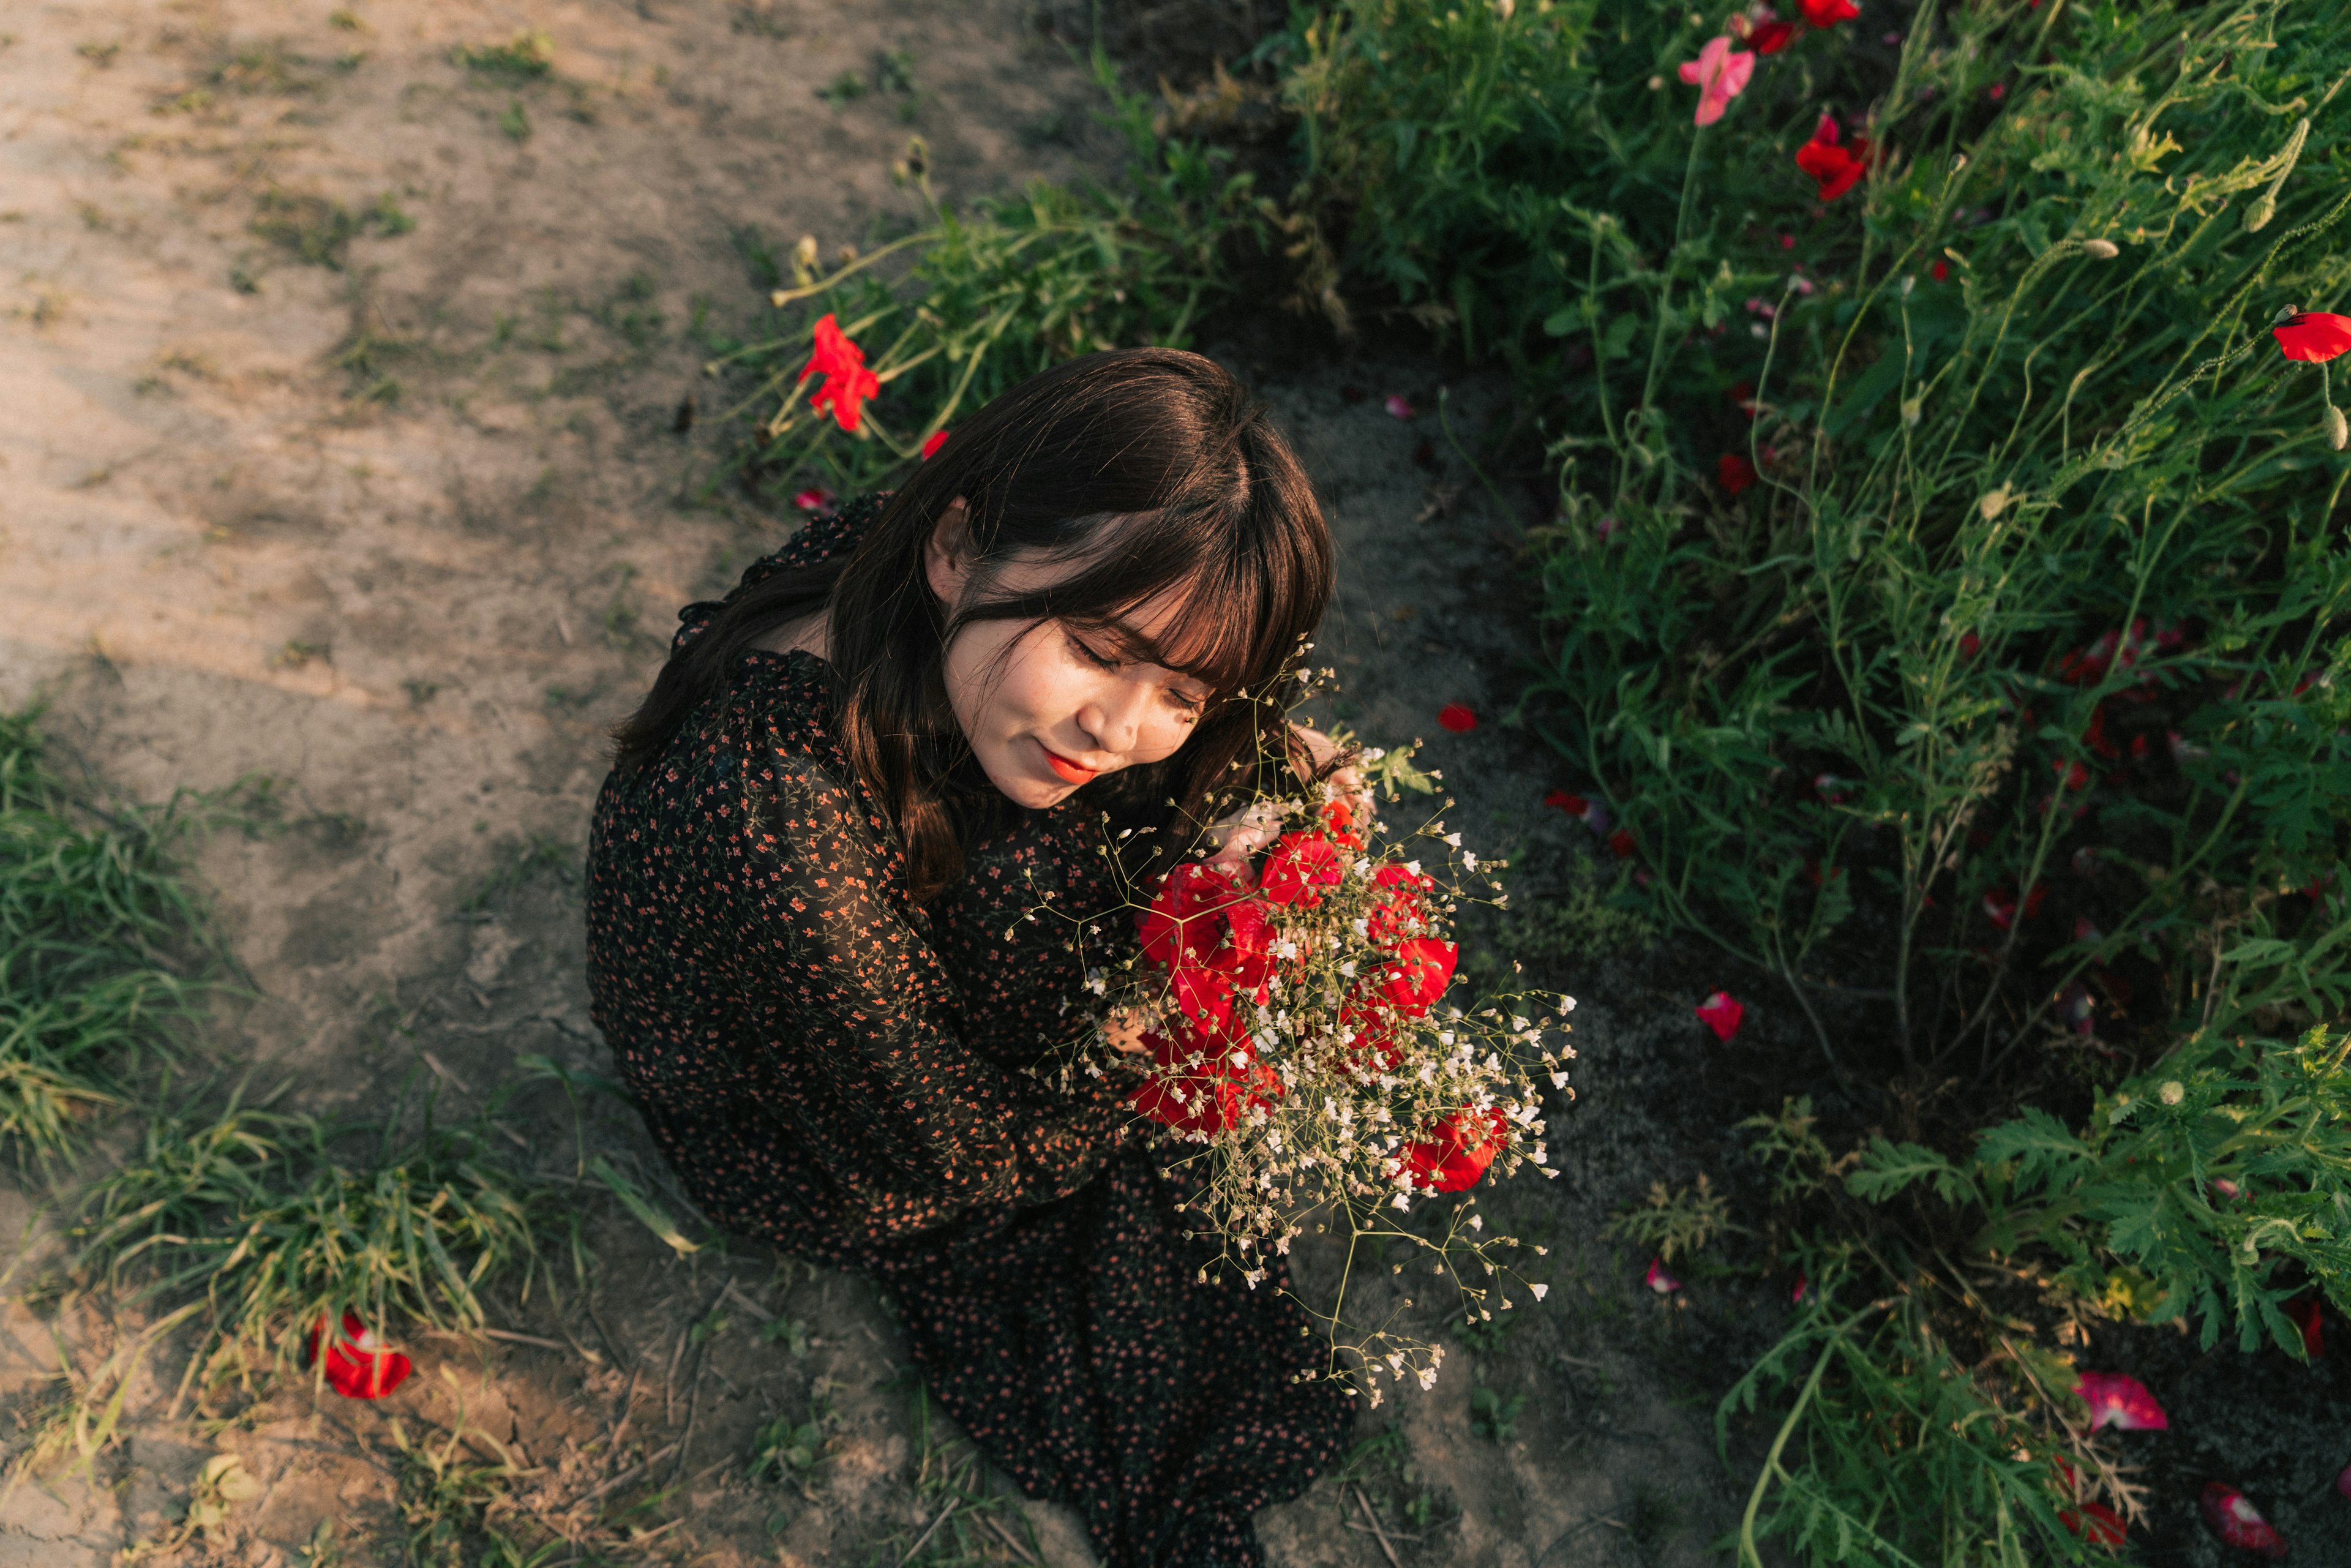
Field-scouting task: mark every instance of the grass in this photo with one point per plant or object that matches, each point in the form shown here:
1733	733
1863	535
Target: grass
101	955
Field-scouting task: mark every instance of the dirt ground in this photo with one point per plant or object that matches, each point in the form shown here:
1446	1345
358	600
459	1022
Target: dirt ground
342	443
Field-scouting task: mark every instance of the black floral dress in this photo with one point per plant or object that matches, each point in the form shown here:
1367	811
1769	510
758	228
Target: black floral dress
828	1068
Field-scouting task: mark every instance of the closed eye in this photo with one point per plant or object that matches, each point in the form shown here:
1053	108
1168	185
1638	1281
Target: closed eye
1183	702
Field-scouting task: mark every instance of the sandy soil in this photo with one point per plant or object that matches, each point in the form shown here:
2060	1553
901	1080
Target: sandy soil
342	445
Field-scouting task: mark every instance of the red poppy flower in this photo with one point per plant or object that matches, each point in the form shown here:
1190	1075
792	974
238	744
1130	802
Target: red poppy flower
357	1365
1835	169
1771	38
1203	917
1620	844
1940	271
847	382
1396	914
815	498
2237	1522
1207	1102
1299	867
931	443
2303	1311
1722	1013
1418	975
1828	13
2117	1399
1456	1152
1374	1034
1560	800
2313	335
1969	644
1456	718
1733	473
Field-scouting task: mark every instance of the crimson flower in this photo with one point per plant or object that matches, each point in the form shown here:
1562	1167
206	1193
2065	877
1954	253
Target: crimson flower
1620	844
816	499
1733	473
2303	1311
1828	13
1722	1013
1835	168
2237	1522
2117	1399
1299	867
2094	1521
1203	917
358	1367
1422	969
1395	912
847	382
1560	800
1940	270
1720	74
1456	1152
1456	718
1208	1102
1657	1279
1769	38
2313	335
931	443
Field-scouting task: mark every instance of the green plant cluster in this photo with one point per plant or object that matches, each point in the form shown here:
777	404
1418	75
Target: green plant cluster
984	298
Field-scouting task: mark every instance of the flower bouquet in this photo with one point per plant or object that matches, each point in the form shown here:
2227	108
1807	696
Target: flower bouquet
1308	1069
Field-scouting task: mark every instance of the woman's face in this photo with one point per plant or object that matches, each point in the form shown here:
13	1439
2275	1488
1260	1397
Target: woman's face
1048	708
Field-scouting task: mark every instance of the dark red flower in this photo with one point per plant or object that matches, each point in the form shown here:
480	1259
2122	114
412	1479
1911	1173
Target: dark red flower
1209	1102
1969	644
847	382
931	443
1742	398
1299	867
2119	1400
1456	718
1620	844
1397	913
357	1365
1835	169
1828	13
2313	335
1419	974
1456	1152
1733	473
1771	38
1560	800
1940	271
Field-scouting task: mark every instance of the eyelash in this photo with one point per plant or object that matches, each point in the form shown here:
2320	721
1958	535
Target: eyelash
1192	706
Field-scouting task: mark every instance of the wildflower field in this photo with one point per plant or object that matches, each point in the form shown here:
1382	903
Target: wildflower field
1844	498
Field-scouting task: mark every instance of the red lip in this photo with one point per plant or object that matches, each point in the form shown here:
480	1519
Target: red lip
1066	770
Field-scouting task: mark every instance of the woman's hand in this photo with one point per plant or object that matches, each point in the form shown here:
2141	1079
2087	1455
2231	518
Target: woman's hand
1256	825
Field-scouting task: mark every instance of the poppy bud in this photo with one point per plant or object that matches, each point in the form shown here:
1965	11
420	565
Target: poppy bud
2338	434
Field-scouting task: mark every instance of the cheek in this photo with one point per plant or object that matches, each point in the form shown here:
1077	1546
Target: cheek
999	679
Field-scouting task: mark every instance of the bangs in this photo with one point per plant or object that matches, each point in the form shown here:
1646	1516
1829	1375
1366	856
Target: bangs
1226	629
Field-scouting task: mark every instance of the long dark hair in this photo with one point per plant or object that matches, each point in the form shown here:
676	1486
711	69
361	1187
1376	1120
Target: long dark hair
1151	471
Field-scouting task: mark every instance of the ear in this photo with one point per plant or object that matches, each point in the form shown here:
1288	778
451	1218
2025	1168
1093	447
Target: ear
946	558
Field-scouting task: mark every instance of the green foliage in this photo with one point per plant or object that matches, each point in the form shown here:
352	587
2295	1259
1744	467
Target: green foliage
1492	1417
254	1222
319	231
787	1449
529	56
984	298
1674	1221
94	925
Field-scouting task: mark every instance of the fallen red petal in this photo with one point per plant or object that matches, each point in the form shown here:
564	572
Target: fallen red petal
1733	473
937	439
1665	1284
1398	406
1722	1013
1560	800
1456	718
2303	1311
2237	1522
2117	1399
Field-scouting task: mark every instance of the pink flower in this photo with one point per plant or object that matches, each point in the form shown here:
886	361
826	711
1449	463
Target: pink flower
1657	1279
1803	1287
1722	1013
931	446
1719	73
2343	1481
815	498
1398	406
2237	1522
2117	1399
1456	718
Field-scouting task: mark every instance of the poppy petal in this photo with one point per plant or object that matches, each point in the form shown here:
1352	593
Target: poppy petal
1456	718
931	443
2237	1522
1722	1013
1657	1279
1398	406
2312	335
2116	1399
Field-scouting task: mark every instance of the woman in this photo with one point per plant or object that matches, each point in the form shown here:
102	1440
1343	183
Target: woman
814	870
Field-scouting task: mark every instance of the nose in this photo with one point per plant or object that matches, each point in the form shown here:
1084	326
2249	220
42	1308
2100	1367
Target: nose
1113	717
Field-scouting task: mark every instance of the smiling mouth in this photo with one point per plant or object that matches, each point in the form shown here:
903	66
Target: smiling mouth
1066	770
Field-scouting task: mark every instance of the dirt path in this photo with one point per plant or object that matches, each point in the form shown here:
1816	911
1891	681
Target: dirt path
340	391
